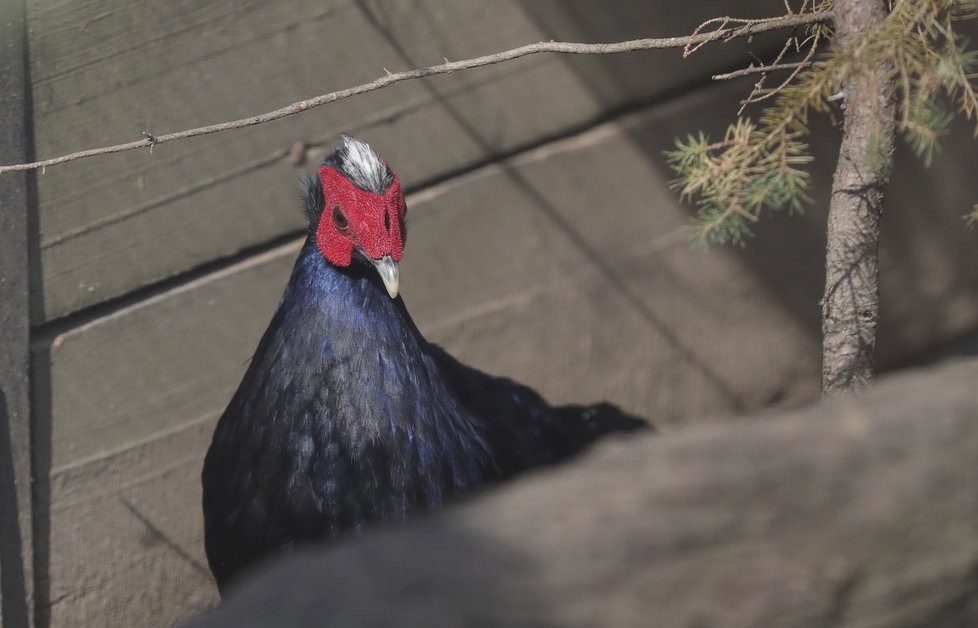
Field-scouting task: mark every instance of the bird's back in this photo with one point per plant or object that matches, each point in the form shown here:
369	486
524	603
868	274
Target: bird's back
347	416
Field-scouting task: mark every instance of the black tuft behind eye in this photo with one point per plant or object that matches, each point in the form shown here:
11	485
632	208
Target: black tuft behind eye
339	219
387	221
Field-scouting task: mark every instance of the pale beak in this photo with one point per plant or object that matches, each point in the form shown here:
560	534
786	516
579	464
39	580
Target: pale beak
387	268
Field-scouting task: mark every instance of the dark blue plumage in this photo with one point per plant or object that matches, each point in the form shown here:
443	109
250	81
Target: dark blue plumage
347	416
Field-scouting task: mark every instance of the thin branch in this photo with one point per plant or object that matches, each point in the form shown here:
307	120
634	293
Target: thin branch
759	95
691	42
759	85
759	69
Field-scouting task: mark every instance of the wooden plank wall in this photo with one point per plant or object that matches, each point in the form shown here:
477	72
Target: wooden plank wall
545	244
105	73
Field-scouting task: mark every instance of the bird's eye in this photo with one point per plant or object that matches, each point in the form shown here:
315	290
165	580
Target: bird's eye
339	219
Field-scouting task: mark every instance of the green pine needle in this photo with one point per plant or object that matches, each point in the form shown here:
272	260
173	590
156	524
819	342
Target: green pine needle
761	166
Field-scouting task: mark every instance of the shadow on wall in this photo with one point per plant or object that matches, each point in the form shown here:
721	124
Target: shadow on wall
622	24
929	259
794	282
930	264
13	594
41	442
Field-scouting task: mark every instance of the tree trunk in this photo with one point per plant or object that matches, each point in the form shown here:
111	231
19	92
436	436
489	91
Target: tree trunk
850	306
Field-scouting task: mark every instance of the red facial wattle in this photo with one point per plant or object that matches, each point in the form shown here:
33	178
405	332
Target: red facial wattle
374	223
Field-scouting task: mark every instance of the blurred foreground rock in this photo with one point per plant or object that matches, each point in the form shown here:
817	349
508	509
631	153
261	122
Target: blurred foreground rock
853	512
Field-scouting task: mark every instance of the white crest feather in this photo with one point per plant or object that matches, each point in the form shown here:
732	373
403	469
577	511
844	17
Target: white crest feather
363	167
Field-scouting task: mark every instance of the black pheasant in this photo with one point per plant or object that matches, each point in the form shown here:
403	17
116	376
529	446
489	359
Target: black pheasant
346	414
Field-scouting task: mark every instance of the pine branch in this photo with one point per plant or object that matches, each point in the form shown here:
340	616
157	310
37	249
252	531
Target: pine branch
924	57
724	32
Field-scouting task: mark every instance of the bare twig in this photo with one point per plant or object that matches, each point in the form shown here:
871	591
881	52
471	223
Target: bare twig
699	38
760	94
728	27
759	69
724	32
759	85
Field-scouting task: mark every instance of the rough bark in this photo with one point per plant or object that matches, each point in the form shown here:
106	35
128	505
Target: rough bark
858	511
850	306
